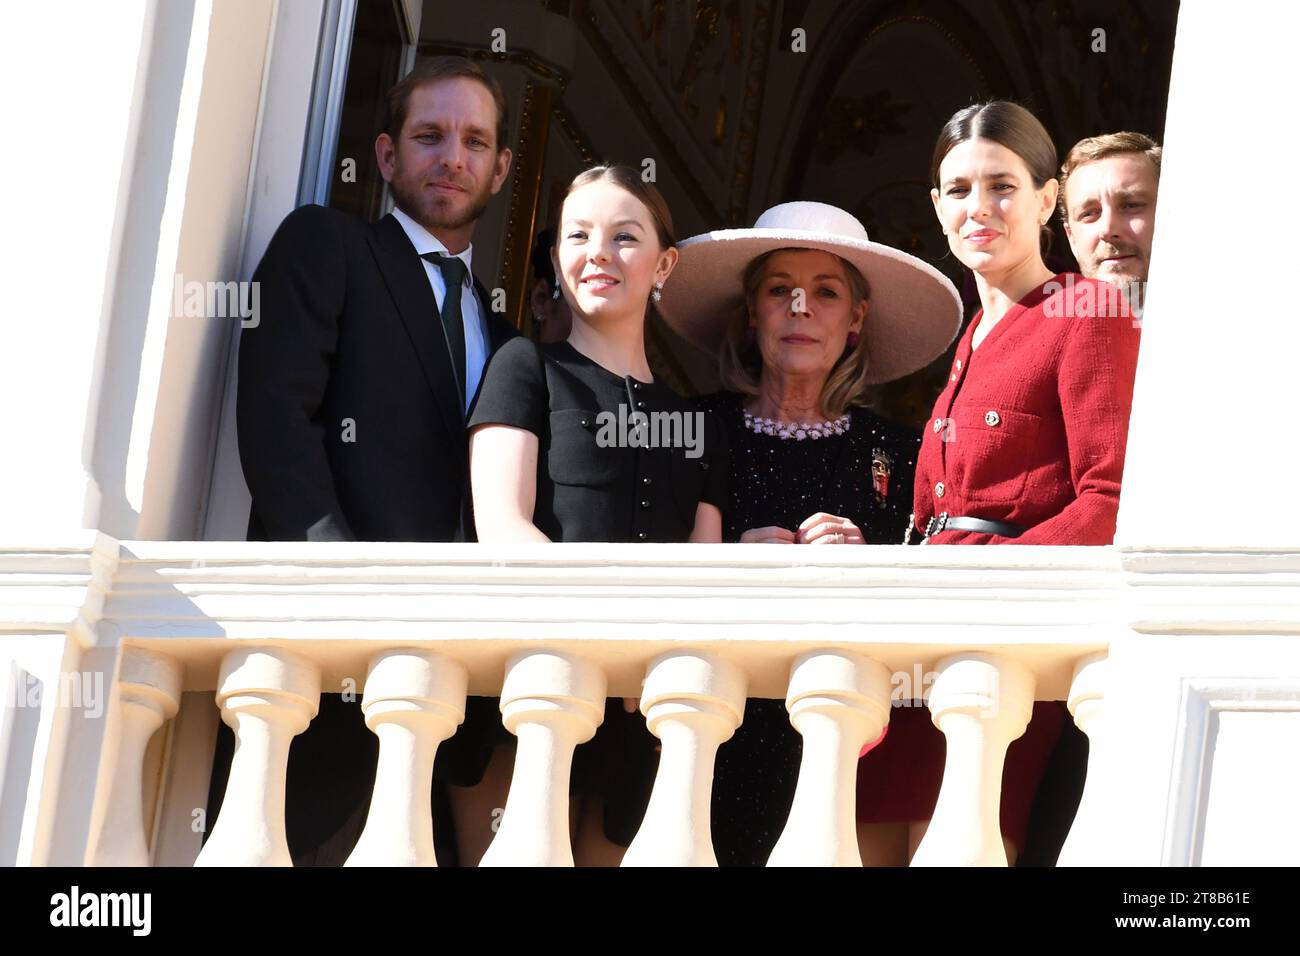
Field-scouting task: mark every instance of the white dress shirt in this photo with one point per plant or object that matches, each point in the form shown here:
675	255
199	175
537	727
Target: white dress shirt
470	308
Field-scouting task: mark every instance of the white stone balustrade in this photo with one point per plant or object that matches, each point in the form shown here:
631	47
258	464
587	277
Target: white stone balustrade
551	701
569	626
414	700
148	694
692	702
1087	845
267	695
981	702
839	702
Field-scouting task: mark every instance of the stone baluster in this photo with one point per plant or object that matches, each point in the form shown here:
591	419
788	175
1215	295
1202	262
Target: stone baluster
981	702
839	702
267	695
414	700
551	701
148	694
692	701
1089	842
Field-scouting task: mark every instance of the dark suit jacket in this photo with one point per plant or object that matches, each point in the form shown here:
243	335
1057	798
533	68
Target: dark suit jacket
349	424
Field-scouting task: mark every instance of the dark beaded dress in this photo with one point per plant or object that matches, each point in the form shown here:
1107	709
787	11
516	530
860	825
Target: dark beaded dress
865	475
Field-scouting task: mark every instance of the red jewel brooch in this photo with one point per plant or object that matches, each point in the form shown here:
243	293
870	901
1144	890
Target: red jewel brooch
881	465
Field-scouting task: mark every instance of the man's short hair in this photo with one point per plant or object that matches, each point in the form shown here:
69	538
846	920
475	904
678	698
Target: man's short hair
1099	147
443	68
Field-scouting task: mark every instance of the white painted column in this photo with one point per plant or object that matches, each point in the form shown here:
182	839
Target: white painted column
552	702
1233	77
148	694
267	695
839	702
692	701
1184	775
1088	843
414	700
981	702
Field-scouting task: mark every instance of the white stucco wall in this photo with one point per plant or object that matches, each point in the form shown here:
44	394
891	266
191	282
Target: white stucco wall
128	166
69	122
1213	439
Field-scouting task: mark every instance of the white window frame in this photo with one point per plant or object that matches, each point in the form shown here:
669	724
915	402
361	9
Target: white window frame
295	146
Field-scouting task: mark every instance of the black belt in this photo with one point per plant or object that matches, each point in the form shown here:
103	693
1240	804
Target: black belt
946	522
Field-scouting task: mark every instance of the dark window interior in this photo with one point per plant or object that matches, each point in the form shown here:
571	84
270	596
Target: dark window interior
374	66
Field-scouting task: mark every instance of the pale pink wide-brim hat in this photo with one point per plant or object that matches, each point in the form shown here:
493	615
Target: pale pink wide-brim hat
914	312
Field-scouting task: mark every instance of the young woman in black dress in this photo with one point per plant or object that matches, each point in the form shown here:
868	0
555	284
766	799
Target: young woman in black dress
550	460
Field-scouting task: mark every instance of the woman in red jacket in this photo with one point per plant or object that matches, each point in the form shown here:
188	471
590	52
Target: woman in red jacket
1026	441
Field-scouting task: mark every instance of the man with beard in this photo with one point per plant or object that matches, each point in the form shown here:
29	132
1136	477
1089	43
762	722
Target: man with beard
355	385
354	391
1108	205
1107	201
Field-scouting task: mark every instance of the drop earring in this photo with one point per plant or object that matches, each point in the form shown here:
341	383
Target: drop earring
555	293
657	292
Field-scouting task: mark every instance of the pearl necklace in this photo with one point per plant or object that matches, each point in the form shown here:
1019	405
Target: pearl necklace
796	430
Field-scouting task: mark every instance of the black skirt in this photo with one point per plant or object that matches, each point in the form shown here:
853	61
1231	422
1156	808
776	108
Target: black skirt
618	764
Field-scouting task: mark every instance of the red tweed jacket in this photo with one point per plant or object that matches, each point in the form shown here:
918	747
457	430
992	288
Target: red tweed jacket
1032	425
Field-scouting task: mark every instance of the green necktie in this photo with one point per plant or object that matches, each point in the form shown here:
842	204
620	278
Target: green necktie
453	322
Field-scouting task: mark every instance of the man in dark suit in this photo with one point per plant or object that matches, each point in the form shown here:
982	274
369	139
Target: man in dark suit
355	383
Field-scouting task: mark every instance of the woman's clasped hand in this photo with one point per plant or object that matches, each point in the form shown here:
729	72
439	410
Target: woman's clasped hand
817	528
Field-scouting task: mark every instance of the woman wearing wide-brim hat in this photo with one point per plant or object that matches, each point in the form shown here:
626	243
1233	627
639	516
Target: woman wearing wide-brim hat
805	314
915	311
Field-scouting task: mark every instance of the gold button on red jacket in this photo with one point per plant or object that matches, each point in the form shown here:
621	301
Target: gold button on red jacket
1033	423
